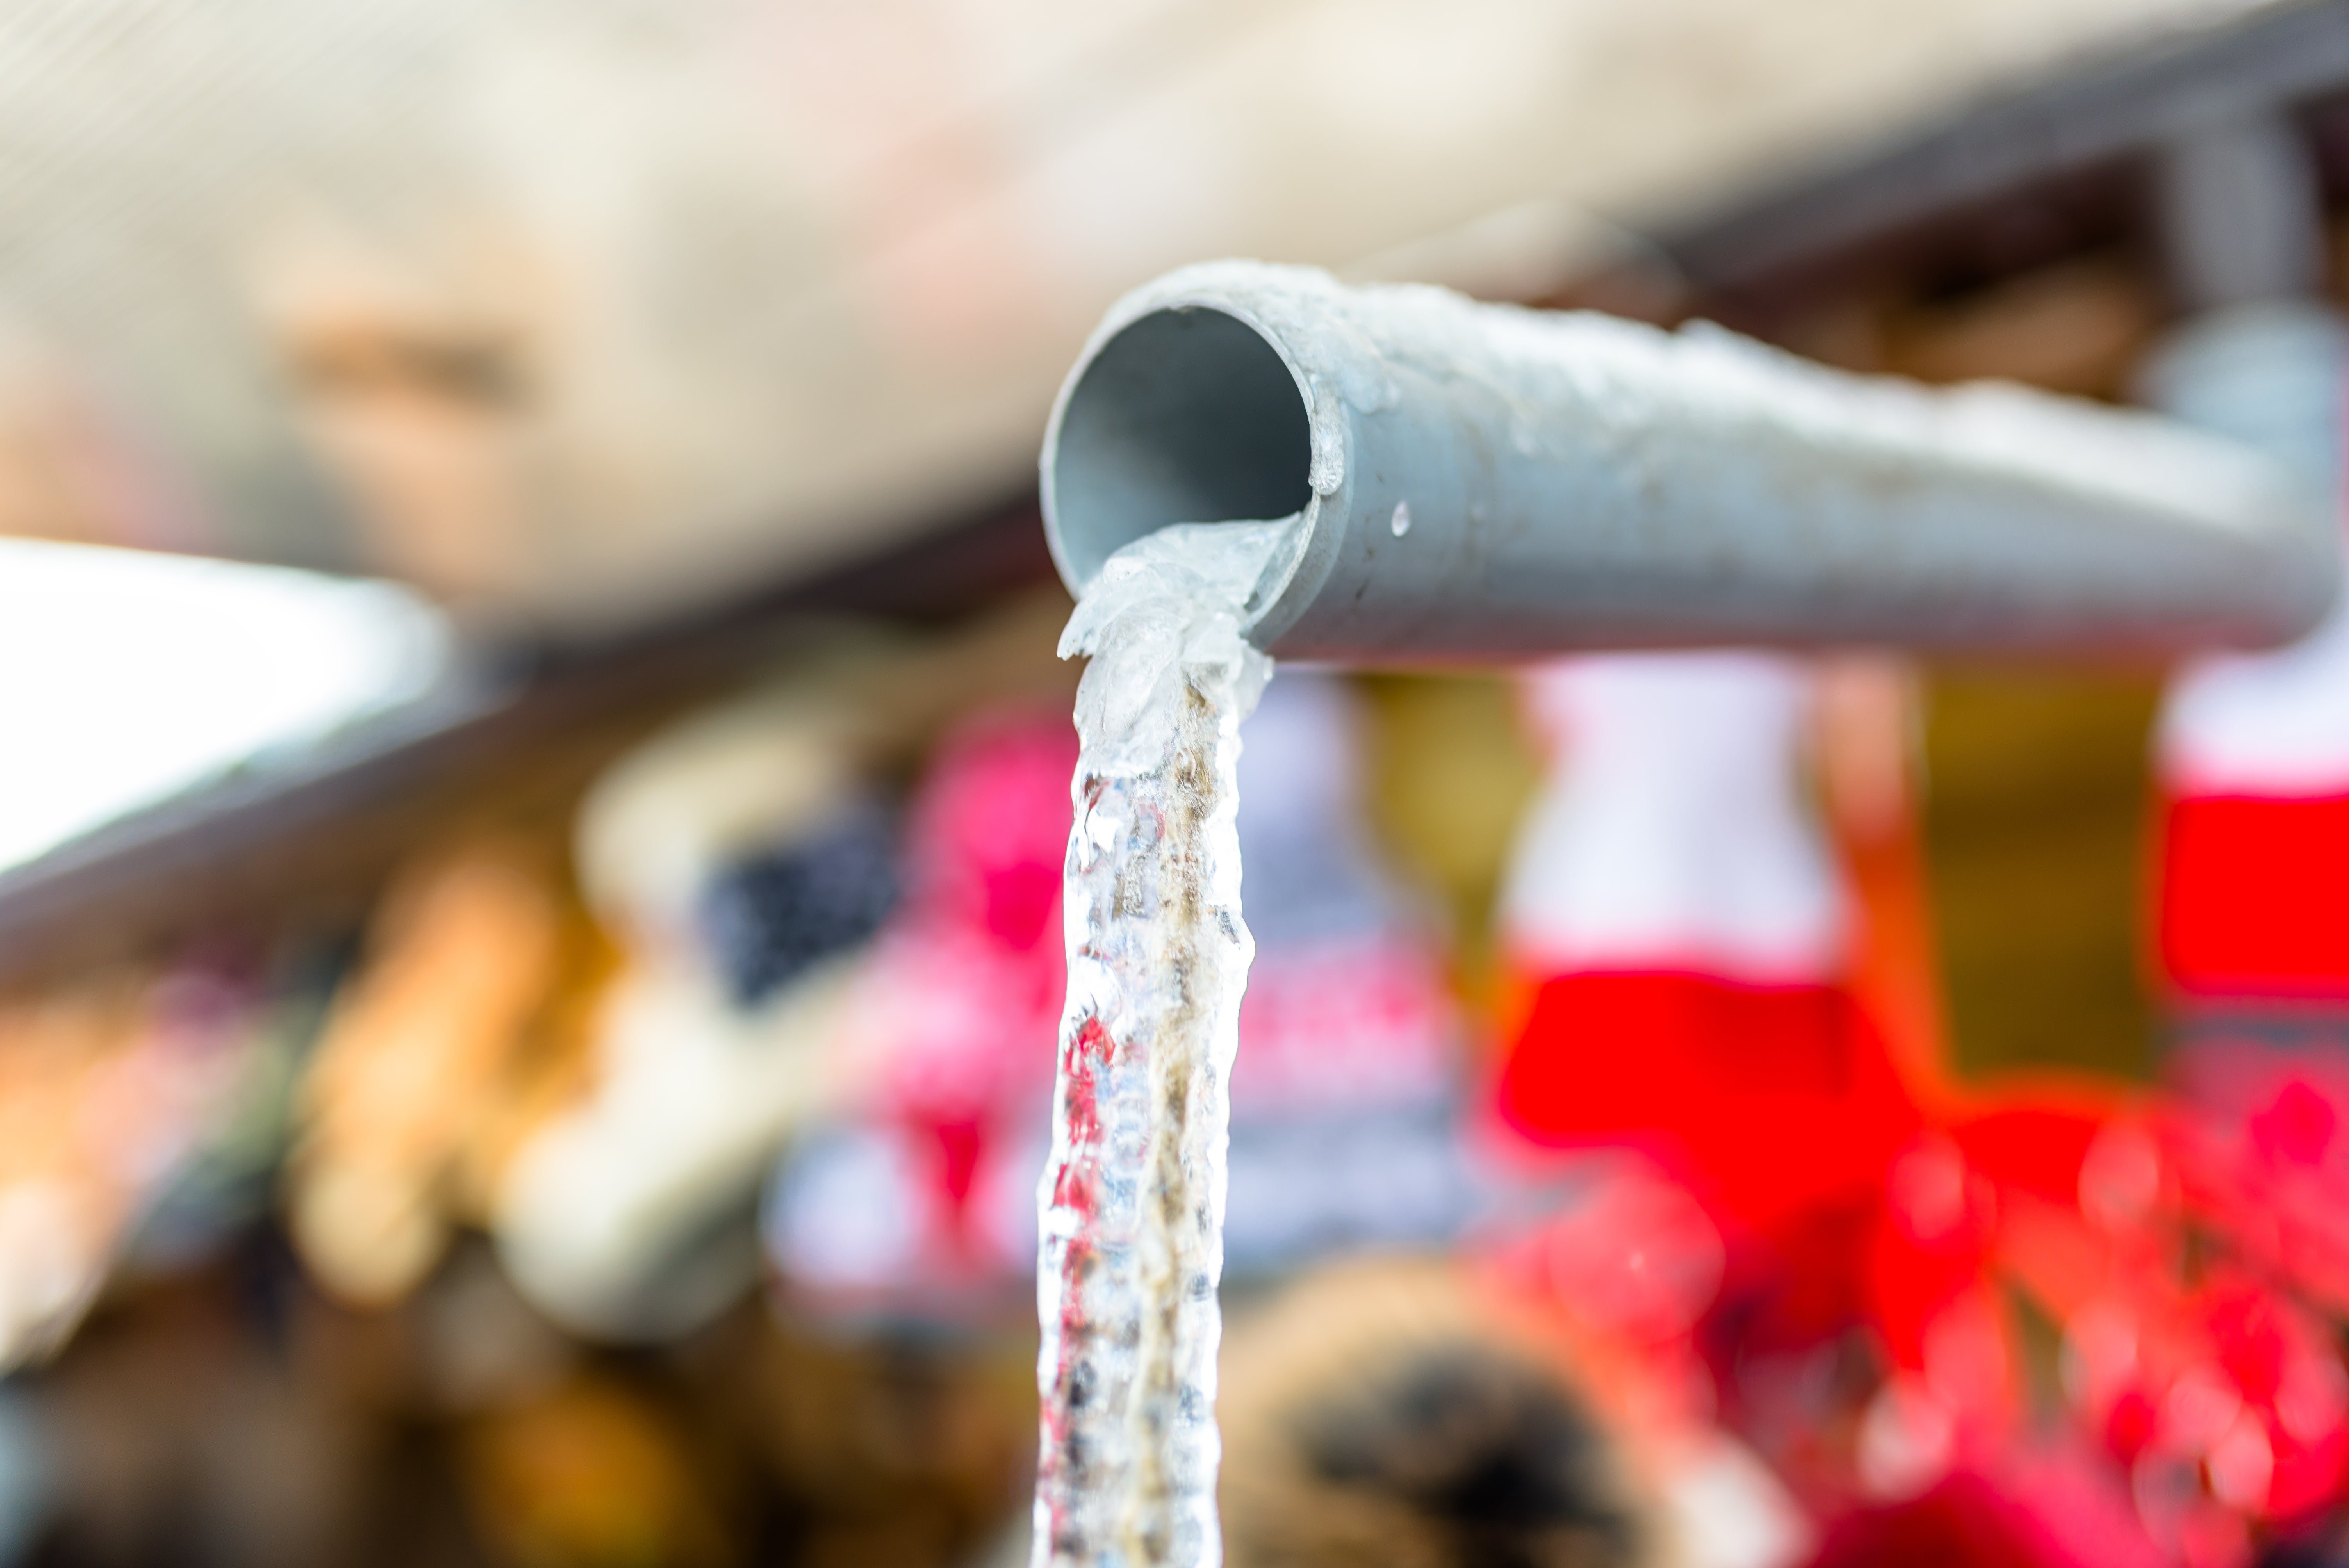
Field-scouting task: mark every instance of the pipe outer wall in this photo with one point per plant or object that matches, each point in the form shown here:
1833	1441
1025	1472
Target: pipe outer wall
1483	483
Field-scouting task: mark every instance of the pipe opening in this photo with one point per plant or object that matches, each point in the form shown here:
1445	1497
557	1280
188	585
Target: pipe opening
1187	416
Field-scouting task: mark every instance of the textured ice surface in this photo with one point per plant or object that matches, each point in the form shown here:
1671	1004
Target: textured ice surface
1574	373
1132	1196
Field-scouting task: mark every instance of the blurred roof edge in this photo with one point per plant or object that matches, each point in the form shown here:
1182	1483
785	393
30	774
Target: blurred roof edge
2114	108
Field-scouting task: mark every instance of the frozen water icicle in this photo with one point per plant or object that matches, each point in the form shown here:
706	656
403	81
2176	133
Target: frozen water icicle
1169	603
1132	1196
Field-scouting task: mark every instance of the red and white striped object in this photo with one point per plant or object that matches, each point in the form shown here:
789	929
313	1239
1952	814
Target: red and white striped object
1675	919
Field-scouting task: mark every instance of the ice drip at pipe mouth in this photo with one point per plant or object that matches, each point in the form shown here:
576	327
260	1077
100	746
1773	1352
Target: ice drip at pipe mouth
1181	413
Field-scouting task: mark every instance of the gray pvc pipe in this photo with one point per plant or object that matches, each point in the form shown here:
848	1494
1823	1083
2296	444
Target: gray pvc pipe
1483	483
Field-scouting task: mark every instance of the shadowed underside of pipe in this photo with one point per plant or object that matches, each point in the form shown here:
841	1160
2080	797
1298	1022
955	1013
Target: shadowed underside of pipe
1483	483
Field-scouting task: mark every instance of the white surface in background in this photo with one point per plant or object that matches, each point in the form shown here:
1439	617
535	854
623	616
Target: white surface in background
127	677
2274	725
777	278
1673	835
1728	1511
2271	723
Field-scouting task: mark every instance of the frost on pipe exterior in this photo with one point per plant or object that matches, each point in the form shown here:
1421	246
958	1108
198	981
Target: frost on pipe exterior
1483	482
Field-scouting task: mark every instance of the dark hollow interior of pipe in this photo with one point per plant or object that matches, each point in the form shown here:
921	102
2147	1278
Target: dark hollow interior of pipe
1187	416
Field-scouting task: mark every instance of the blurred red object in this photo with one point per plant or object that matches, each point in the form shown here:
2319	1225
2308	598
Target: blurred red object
926	1190
1847	1245
2249	888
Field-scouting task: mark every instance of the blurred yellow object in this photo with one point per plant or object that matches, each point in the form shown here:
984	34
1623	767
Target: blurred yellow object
1450	776
463	958
60	1205
589	1475
2037	833
105	1088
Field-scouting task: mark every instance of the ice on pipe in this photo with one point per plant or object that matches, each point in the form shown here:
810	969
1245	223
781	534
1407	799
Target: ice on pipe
1132	1196
1171	601
1584	378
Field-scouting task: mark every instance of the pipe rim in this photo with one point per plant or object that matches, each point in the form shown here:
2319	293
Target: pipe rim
1085	522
